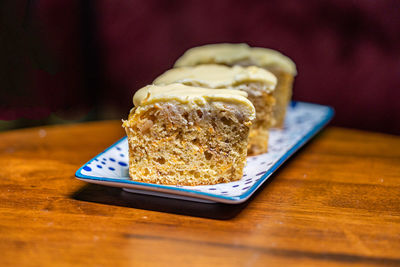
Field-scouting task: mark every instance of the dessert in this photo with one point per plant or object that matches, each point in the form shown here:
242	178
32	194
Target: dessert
182	135
258	83
241	54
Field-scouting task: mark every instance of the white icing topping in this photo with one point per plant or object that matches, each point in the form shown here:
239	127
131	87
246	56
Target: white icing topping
218	76
231	54
190	95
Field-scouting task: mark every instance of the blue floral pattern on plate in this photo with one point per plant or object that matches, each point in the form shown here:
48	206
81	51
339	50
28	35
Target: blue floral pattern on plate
303	121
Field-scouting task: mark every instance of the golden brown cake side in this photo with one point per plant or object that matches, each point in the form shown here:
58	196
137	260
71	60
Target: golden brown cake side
258	83
195	139
264	103
282	95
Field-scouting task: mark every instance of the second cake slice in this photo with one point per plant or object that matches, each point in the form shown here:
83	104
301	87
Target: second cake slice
258	83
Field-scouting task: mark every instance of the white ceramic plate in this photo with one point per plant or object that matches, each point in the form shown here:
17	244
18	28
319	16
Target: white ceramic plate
302	122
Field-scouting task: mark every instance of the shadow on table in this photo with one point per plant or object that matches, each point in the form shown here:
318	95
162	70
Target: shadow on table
116	196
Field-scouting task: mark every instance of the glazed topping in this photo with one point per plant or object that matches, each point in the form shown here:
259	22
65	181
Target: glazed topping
268	58
218	76
232	54
190	95
214	53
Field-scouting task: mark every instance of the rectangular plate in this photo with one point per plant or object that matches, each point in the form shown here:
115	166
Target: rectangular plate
303	121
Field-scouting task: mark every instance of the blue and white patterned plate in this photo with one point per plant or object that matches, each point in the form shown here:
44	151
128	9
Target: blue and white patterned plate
302	122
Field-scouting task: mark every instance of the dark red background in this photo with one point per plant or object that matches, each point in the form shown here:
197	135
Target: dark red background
95	54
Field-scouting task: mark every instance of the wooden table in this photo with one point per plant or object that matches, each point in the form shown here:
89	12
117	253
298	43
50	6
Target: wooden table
336	202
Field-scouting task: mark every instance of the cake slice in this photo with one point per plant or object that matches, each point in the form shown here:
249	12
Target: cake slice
241	54
258	83
182	135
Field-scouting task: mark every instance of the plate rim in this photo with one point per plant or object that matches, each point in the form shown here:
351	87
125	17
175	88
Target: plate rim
204	195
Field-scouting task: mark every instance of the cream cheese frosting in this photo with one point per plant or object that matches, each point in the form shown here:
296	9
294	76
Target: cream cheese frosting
218	76
190	95
231	54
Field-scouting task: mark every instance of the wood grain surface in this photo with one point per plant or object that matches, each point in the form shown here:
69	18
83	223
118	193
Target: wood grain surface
336	202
